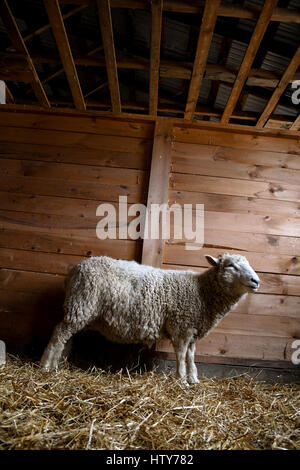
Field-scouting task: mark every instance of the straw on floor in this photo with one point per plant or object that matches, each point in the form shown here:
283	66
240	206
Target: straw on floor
77	409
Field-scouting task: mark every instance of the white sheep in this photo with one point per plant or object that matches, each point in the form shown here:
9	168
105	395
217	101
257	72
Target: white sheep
132	303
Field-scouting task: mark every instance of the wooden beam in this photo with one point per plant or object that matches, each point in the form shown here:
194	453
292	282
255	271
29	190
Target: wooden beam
47	26
249	57
285	80
296	124
61	70
98	88
62	42
109	52
173	69
196	7
156	12
158	185
204	41
19	45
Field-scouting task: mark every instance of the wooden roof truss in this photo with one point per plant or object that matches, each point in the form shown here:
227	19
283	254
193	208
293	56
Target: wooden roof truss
17	64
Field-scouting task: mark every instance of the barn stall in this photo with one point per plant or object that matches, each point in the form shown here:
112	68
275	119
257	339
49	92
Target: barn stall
162	102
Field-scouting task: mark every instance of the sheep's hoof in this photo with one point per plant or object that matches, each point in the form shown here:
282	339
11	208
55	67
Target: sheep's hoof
194	380
183	380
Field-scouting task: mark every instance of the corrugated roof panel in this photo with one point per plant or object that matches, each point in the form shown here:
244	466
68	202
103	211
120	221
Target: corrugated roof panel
285	111
204	91
236	54
176	40
222	96
288	33
275	62
215	48
255	104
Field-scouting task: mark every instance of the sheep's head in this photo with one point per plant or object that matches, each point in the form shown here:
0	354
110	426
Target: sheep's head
235	272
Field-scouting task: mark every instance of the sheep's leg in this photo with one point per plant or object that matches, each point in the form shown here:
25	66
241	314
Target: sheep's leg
191	368
181	347
62	333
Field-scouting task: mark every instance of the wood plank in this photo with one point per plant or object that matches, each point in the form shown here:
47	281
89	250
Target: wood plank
53	263
156	26
30	282
74	189
228	240
80	173
271	283
47	205
82	141
240	140
218	154
109	52
53	242
87	124
296	124
257	36
62	42
209	19
262	262
171	69
259	325
285	80
217	164
289	136
271	225
76	245
269	304
158	186
196	7
24	309
139	159
63	225
234	187
19	45
229	345
236	204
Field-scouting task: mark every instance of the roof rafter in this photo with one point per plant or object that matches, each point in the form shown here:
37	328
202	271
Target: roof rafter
296	124
47	26
285	80
109	52
205	36
196	7
249	57
156	11
19	45
62	42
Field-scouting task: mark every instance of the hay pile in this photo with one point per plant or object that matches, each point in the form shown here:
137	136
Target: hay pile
76	409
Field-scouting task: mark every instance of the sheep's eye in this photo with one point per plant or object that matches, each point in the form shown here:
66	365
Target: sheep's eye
231	266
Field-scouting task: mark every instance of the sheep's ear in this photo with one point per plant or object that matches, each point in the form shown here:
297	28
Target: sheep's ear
213	261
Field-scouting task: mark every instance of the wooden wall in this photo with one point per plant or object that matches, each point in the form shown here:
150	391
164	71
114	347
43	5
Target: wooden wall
250	188
55	171
57	168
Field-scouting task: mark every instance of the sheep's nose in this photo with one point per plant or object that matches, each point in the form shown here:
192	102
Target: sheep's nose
255	281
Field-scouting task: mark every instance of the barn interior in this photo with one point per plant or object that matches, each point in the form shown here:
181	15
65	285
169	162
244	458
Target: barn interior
162	101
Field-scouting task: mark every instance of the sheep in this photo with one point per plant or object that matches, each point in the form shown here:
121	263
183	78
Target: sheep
132	303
